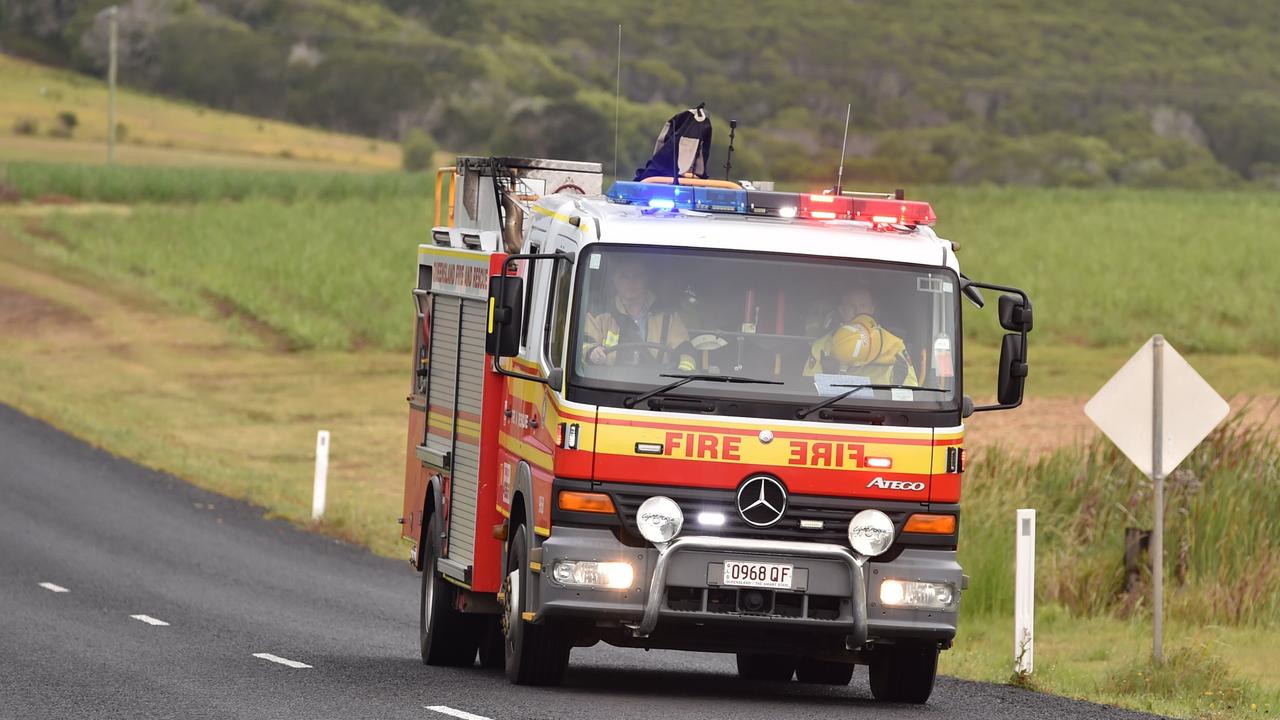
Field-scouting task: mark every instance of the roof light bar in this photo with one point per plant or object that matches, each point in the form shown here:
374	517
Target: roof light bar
879	211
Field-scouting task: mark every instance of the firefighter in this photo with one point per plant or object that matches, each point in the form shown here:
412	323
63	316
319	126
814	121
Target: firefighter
856	344
632	321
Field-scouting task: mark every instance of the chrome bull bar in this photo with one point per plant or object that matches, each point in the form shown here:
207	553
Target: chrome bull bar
826	551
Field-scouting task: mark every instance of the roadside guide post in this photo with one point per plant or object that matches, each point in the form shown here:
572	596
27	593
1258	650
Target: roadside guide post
1159	385
113	18
1024	592
322	475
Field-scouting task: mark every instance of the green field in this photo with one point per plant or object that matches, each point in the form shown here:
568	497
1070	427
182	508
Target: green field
224	333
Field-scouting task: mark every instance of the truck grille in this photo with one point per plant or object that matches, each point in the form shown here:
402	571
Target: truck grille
833	512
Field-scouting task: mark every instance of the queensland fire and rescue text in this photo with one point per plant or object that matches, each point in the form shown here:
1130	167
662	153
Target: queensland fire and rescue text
690	415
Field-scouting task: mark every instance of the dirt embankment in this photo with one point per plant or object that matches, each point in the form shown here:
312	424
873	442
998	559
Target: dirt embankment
1044	424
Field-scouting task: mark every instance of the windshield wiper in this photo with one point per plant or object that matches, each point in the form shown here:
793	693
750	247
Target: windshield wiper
804	412
686	379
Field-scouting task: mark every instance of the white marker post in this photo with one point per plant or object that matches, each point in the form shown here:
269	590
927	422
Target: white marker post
322	475
1024	592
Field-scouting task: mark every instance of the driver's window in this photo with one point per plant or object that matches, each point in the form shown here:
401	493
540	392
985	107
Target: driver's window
558	313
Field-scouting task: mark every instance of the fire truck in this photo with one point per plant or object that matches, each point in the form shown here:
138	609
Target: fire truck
690	414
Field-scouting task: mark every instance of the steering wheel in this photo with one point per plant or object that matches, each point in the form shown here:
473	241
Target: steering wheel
664	358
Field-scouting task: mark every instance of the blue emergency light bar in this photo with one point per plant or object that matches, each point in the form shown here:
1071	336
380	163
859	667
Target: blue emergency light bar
667	197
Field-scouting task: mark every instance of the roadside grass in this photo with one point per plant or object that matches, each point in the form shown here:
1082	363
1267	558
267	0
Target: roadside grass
128	184
32	92
1222	528
1210	671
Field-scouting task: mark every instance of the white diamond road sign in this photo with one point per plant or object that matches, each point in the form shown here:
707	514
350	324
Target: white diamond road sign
1123	408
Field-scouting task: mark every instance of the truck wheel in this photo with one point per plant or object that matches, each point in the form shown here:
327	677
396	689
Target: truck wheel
767	667
445	635
823	672
904	673
535	654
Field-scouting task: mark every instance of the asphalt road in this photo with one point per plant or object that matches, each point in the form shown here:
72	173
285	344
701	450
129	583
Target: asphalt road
123	541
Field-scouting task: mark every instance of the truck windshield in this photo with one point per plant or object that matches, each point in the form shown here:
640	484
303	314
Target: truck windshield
815	325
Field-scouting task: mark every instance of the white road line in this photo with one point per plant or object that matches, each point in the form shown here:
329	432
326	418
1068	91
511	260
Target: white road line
282	661
149	620
53	588
446	710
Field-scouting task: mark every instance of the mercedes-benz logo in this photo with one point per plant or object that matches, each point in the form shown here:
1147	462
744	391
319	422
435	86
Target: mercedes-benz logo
762	500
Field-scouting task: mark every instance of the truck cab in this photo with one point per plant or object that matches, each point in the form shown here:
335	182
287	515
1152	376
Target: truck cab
708	418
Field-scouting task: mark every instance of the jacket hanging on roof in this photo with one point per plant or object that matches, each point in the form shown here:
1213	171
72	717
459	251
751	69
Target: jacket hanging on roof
682	147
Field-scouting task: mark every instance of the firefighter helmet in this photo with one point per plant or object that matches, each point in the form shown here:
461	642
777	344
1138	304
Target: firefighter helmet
858	342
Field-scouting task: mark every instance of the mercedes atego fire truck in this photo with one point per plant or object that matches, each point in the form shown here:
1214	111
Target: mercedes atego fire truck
690	414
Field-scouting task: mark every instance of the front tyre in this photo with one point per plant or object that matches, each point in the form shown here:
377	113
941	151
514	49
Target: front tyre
904	673
445	635
535	654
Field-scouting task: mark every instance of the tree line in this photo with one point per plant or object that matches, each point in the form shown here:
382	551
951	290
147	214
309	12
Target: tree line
1079	94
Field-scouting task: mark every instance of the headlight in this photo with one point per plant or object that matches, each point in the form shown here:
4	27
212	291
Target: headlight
870	532
589	573
913	593
659	519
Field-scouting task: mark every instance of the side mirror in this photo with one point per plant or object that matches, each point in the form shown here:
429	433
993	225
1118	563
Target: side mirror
555	379
1013	368
503	337
1015	315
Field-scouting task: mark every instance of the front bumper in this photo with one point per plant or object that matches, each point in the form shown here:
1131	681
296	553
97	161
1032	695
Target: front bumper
835	590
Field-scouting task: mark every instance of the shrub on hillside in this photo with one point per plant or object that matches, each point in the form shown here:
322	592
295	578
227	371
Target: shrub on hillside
25	126
417	150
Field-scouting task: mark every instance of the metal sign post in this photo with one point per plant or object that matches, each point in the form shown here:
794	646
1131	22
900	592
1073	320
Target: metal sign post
1157	482
1156	409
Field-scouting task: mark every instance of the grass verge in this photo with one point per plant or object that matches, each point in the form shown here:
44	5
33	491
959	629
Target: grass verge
127	184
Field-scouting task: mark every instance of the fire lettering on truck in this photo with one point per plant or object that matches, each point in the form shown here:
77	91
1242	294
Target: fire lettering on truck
825	454
704	446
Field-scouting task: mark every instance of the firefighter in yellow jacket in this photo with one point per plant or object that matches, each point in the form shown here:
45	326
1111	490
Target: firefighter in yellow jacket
632	332
858	345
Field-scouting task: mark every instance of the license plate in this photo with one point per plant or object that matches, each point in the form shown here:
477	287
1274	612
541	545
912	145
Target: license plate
757	574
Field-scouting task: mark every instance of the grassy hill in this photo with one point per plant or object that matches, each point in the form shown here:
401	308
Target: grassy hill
160	131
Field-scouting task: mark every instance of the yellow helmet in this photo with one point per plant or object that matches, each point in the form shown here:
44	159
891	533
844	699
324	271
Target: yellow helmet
858	342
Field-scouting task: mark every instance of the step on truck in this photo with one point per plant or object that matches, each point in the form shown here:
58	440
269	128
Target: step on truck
693	415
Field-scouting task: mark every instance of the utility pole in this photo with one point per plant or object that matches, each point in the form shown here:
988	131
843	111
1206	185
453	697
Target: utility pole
112	19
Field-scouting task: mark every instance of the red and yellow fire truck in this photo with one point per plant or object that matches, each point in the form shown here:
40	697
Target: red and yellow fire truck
692	415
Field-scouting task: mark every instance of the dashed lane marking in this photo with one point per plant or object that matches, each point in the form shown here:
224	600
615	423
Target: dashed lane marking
149	620
53	588
283	661
446	710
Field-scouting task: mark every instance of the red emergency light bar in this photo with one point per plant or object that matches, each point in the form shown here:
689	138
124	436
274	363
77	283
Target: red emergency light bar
893	212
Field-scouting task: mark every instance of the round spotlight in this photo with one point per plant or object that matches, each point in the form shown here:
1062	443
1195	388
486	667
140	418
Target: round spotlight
659	519
870	532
